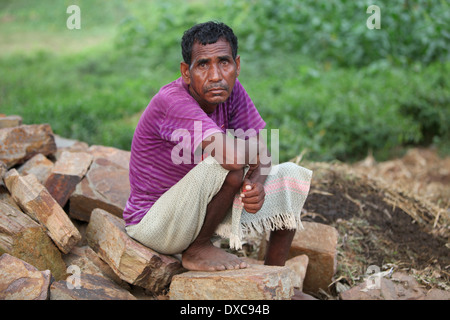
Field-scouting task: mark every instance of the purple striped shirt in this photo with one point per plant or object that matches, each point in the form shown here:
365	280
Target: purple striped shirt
173	110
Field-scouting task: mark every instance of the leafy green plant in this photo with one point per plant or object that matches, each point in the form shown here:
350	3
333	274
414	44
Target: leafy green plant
411	30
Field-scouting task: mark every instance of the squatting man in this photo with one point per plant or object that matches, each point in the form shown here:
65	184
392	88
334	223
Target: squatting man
178	207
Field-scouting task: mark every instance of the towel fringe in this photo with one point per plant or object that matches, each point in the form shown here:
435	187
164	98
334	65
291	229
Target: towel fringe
235	242
288	221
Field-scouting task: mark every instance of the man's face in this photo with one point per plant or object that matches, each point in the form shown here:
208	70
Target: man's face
212	73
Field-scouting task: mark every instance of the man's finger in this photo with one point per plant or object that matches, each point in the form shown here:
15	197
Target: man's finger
253	208
251	200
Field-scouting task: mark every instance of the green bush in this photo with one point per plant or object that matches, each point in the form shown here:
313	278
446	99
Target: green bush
411	30
345	112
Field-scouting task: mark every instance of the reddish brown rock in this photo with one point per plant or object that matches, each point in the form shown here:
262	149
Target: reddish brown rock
257	282
119	157
3	171
90	287
399	287
90	263
21	281
18	144
67	172
22	237
35	201
6	197
39	165
106	185
10	121
71	145
299	265
130	260
437	294
319	242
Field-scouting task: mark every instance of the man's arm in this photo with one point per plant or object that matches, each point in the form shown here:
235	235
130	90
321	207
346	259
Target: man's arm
235	154
232	153
253	194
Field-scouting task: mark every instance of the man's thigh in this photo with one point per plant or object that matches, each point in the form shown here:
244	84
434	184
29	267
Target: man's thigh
176	218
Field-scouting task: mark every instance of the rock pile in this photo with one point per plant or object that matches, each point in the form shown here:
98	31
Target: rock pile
398	286
62	235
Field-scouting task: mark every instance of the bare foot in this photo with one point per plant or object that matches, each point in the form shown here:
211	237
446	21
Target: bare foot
210	258
299	295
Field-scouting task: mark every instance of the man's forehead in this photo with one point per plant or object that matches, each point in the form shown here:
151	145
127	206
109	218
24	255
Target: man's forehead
219	48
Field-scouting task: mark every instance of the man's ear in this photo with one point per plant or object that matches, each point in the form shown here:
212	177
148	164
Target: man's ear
185	72
238	65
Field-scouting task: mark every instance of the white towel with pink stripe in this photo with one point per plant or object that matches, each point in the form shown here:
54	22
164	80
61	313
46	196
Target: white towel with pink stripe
286	189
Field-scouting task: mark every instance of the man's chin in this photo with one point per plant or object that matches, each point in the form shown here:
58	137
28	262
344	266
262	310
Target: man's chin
217	99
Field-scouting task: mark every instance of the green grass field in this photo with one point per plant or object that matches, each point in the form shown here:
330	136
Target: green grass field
92	84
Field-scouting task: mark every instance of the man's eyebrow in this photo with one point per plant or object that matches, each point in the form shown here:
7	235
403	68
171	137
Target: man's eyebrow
226	57
202	60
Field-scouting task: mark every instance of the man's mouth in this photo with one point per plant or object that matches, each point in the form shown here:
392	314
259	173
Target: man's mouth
216	90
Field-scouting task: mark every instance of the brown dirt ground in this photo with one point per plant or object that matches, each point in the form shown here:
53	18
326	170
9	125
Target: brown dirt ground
393	214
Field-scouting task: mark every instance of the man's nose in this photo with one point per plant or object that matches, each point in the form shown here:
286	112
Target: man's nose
215	74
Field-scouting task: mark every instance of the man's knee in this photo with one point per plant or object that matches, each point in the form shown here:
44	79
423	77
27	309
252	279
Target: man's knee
234	179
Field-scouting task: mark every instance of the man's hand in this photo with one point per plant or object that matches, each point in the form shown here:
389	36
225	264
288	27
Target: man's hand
252	196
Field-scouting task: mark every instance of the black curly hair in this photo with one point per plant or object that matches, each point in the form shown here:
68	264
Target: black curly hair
207	33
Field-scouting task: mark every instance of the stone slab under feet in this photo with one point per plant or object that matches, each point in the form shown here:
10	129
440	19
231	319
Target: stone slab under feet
257	282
